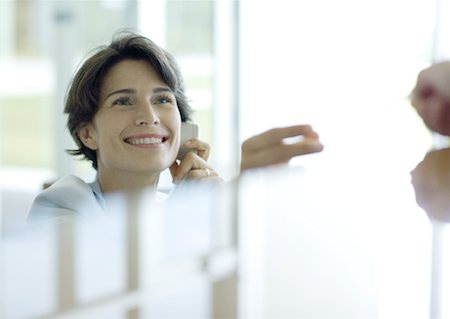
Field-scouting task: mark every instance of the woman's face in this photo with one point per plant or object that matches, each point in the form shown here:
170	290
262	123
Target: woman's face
136	129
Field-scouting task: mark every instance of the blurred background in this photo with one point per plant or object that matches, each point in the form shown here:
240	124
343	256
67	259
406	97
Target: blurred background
346	67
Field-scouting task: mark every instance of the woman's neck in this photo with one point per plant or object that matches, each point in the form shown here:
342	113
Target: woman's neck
126	181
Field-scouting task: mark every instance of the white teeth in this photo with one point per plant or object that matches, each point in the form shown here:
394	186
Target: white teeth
146	140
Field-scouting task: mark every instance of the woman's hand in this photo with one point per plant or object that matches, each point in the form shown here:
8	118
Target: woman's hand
270	148
193	165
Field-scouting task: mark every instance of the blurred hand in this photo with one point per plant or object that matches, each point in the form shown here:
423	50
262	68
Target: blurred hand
270	148
431	97
193	165
431	182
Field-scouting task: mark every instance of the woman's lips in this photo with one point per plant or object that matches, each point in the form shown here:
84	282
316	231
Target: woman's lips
147	139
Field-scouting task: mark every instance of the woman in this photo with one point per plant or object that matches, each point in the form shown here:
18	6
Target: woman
125	106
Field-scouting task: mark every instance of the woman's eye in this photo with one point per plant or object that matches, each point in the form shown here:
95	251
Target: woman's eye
164	100
122	101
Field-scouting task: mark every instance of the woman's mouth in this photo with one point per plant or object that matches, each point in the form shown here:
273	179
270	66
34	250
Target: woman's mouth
148	140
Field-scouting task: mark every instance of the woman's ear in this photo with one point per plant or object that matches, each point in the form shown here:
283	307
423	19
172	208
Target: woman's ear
88	136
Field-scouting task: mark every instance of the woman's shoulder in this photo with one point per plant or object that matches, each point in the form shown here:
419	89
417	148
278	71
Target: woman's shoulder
69	197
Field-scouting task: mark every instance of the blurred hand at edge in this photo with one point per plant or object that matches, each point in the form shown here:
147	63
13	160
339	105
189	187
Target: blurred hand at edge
431	182
431	97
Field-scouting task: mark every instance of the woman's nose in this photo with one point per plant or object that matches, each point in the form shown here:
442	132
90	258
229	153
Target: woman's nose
147	115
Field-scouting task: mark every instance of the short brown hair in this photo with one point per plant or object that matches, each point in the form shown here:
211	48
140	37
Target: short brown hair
82	101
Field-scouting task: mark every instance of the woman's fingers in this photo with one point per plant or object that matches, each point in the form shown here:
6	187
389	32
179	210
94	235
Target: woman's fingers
202	148
279	153
192	167
276	135
271	147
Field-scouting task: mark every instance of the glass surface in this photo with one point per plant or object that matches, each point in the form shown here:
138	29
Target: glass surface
334	242
322	240
141	261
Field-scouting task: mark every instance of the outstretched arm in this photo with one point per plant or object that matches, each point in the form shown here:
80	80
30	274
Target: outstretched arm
270	147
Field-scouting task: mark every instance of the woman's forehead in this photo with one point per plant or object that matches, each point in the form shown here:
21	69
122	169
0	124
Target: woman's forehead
134	73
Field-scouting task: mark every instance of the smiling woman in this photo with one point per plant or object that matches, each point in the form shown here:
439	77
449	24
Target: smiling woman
125	106
135	132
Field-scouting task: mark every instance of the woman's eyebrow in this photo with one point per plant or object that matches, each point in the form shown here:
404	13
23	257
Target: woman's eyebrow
121	91
132	91
162	89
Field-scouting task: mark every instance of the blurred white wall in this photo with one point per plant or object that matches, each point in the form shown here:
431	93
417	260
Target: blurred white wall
346	67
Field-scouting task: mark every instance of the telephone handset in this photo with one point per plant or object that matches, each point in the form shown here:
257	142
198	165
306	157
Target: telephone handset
188	130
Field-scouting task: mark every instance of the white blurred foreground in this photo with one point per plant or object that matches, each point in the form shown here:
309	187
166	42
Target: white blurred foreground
297	243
